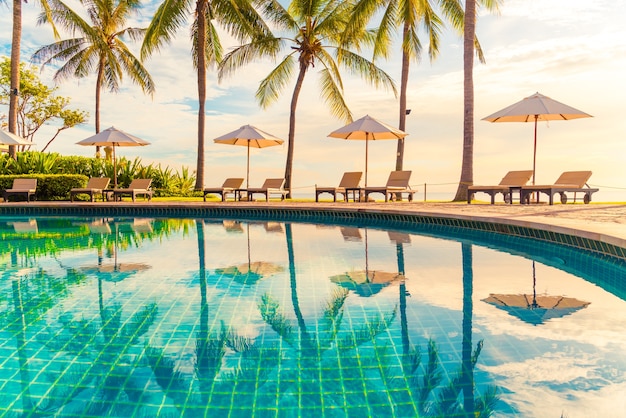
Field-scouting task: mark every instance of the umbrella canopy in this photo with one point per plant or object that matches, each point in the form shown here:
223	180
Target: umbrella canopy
9	138
113	137
366	283
536	309
368	129
533	109
250	137
116	272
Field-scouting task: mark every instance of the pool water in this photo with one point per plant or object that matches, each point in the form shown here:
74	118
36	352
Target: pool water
225	318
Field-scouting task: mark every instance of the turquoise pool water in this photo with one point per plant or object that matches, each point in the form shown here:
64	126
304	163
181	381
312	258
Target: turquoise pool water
224	318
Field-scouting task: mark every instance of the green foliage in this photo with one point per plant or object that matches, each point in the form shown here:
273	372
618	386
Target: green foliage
77	170
49	186
38	104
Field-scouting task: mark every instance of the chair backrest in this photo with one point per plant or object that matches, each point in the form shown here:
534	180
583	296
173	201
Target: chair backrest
232	183
574	178
399	179
351	179
273	184
98	183
516	178
24	184
140	184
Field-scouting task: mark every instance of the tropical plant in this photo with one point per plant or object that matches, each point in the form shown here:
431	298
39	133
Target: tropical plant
410	16
469	35
38	103
16	42
100	46
239	19
313	36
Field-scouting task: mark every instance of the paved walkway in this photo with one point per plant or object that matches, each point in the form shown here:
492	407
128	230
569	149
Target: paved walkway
600	221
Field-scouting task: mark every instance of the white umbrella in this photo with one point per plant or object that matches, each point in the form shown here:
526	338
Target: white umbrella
9	138
369	129
113	137
249	136
533	109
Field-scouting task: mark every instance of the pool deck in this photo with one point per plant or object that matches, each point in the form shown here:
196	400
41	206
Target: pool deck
604	222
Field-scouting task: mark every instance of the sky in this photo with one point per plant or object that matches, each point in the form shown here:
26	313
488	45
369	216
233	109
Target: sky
569	50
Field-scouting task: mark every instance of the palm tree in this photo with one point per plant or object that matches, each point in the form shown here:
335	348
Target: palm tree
409	15
469	36
315	27
99	47
239	19
16	41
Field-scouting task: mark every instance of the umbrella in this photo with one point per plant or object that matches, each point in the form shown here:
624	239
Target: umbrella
536	309
114	138
252	271
249	136
364	282
369	129
533	109
116	272
9	138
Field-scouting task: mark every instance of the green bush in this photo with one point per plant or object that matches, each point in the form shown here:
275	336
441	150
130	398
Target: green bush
49	186
165	181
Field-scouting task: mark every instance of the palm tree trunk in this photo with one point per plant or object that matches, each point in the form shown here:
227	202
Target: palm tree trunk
467	369
15	71
201	6
404	81
467	168
292	128
99	78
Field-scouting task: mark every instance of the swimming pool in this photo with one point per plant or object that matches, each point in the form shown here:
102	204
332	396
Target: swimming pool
123	316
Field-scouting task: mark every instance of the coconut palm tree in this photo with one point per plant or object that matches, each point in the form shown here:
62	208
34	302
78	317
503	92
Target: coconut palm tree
98	47
16	41
469	35
409	16
238	18
310	33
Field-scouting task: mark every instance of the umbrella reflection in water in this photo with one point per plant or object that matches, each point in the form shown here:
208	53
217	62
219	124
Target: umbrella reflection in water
116	271
536	309
364	282
251	272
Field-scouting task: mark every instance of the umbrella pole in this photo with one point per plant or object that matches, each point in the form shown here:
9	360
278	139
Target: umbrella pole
248	168
114	169
535	149
366	152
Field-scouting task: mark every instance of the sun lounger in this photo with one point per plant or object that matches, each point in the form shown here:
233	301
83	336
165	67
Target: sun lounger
22	187
398	182
512	181
270	187
349	183
230	186
137	187
95	185
569	181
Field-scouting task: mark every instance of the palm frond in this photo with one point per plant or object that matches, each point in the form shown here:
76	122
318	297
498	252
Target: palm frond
135	69
247	53
332	94
365	68
169	17
276	14
272	85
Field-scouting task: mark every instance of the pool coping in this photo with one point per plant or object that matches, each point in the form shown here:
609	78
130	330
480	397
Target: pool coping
571	225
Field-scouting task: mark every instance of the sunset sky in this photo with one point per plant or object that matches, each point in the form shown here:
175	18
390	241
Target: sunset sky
571	51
